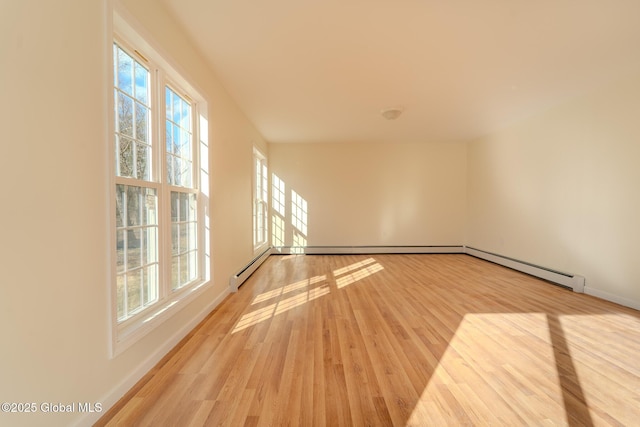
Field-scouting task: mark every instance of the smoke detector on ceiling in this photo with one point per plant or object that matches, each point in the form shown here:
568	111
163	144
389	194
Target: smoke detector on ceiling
392	113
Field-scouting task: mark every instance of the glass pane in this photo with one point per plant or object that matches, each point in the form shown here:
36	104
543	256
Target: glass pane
184	207
134	288
169	136
185	170
185	145
134	258
168	97
193	208
176	108
175	149
150	284
177	168
186	116
149	245
175	239
184	271
150	208
184	236
192	238
125	72
142	122
193	266
120	245
153	282
142	84
133	206
124	116
175	208
170	172
120	292
143	161
120	205
125	157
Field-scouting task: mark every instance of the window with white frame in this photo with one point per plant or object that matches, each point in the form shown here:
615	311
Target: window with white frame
260	199
180	177
159	223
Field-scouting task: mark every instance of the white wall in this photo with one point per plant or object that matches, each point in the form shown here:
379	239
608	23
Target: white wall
54	250
561	190
376	194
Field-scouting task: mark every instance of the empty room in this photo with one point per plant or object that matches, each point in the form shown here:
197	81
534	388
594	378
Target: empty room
320	213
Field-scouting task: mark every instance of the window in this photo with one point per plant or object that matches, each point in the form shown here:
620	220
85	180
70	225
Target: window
159	220
260	199
136	193
179	162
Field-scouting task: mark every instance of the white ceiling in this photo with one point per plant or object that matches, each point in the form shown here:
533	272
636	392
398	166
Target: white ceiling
321	70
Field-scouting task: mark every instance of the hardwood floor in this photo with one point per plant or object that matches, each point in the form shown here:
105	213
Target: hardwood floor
397	340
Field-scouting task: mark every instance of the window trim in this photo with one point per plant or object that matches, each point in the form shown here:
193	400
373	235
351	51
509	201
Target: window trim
162	74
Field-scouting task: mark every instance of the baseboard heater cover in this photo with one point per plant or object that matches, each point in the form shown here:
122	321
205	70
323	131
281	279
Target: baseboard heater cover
246	271
572	281
243	274
575	282
382	249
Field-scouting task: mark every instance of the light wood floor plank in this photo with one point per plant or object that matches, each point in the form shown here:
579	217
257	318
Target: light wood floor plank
396	340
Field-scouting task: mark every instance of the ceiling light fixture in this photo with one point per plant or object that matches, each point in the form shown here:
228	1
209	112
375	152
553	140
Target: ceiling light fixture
392	113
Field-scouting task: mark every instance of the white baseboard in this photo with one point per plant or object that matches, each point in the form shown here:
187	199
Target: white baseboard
141	370
611	297
572	281
331	250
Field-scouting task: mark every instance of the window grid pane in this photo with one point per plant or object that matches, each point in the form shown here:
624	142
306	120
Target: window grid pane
179	140
136	249
184	242
132	117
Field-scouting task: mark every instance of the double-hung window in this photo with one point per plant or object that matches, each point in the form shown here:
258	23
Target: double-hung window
183	192
260	199
159	221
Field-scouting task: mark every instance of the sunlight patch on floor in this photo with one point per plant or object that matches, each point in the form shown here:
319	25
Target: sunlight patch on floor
303	298
343	281
356	271
492	366
354	266
312	288
265	313
288	288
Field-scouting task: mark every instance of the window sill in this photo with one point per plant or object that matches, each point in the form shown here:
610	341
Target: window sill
131	332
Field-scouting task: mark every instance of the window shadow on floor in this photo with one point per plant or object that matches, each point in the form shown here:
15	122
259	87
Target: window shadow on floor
576	407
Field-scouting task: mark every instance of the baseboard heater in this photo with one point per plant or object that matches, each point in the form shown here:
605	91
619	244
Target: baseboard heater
574	282
246	271
243	274
564	279
361	250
